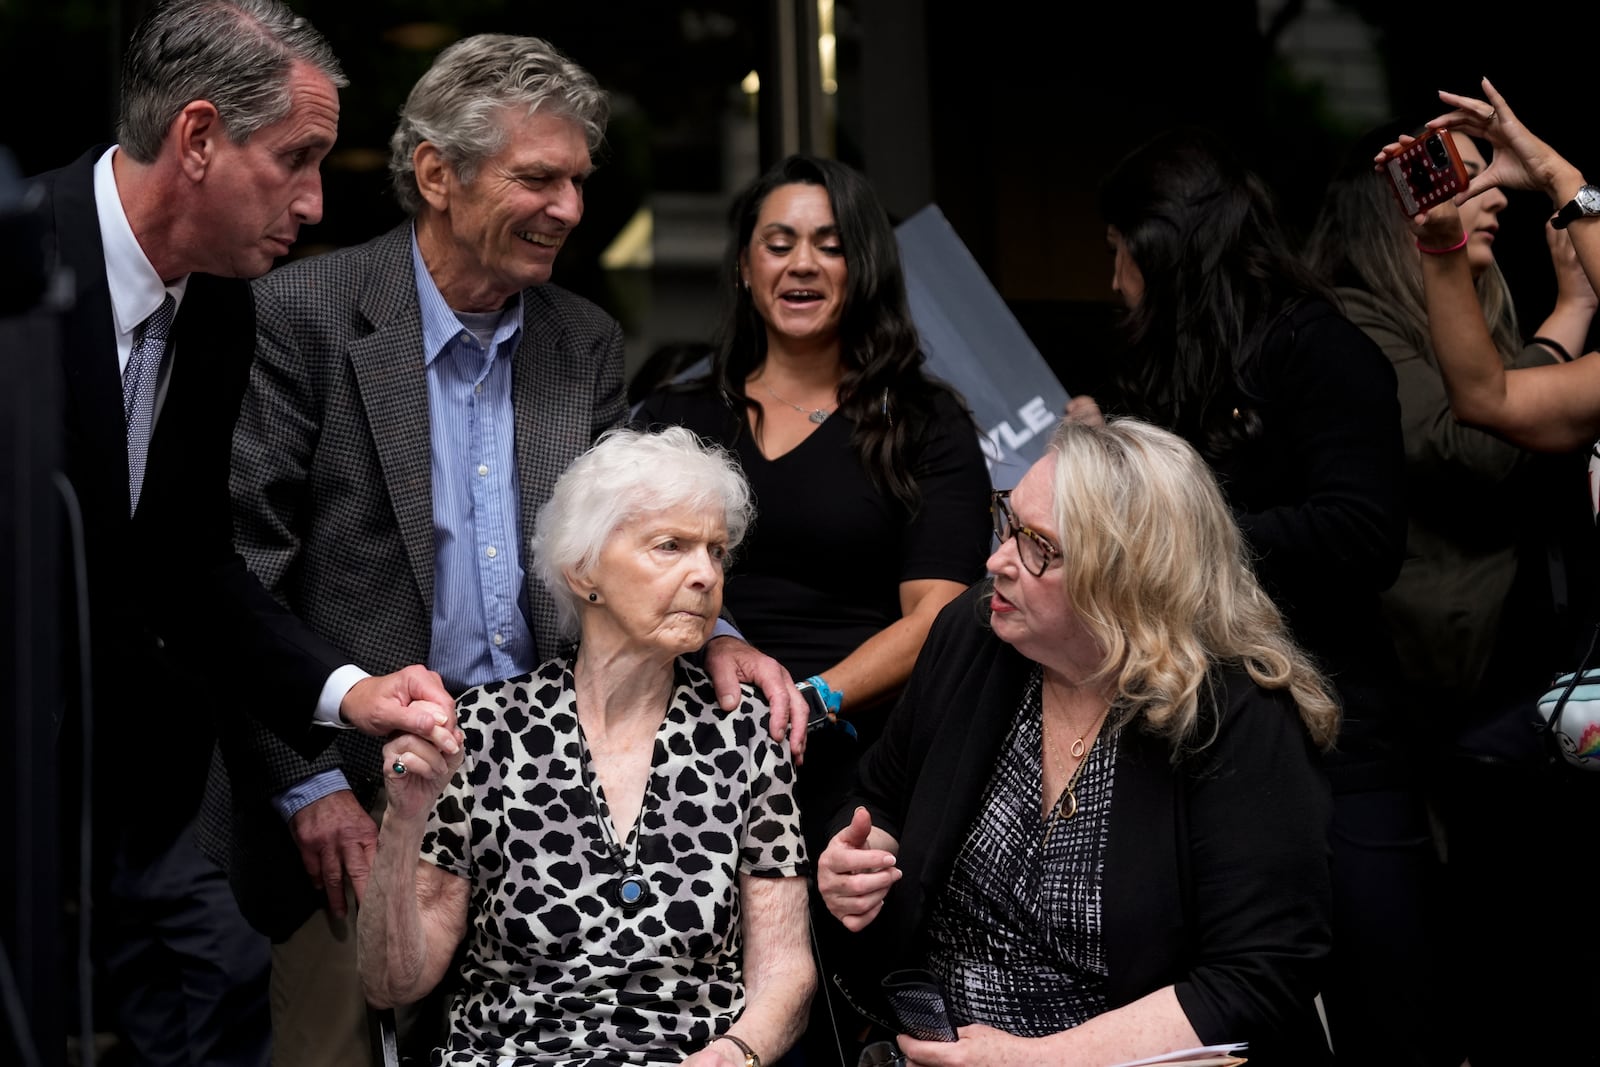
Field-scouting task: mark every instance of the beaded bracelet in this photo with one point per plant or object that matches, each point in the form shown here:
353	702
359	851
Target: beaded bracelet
1458	246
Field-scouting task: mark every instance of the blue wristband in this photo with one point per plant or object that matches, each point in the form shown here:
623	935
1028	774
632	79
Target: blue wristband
832	699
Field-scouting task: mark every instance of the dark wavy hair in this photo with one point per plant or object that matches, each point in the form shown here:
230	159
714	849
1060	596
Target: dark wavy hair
1218	274
884	390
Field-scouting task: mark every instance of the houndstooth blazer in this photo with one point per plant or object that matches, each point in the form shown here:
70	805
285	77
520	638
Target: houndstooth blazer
332	491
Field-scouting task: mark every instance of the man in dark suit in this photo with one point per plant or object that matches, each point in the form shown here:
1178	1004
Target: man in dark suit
413	402
228	108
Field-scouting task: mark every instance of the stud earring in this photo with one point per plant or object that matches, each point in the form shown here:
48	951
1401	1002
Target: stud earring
594	598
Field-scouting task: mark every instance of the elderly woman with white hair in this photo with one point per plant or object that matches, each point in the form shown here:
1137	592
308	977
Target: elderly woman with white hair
1096	816
623	859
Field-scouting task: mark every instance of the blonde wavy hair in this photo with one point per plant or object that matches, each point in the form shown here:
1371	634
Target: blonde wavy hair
1157	570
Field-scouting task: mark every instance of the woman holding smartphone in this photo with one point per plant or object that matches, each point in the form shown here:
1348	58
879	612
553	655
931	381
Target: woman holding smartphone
1554	408
1551	407
1474	496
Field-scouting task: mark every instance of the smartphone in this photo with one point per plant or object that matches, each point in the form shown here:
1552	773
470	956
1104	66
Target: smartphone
1426	172
918	1005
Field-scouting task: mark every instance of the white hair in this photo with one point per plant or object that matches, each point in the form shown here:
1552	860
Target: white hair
628	473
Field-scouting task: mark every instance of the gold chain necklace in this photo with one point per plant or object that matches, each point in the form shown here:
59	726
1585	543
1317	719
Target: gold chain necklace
1066	805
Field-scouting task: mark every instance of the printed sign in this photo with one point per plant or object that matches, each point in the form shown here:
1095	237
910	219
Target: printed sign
974	342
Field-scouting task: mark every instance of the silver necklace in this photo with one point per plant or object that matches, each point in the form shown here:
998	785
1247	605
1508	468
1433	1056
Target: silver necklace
816	415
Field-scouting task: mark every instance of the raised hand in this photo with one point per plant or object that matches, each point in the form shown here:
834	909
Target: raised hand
1440	226
1521	160
1572	285
854	877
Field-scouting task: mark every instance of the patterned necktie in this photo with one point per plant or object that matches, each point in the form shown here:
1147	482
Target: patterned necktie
139	382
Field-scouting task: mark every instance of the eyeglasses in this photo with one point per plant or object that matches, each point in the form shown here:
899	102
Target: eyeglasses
1033	548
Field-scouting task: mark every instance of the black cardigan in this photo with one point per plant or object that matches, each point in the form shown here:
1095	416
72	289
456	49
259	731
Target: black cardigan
1216	870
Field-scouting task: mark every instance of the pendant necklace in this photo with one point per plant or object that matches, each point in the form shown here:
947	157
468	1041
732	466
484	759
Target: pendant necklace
630	892
816	415
1066	805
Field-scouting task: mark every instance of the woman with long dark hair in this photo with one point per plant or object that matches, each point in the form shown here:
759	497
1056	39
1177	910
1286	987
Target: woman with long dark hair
1231	342
871	489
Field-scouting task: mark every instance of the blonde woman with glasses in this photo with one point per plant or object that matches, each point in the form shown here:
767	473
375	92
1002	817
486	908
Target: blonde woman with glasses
1096	817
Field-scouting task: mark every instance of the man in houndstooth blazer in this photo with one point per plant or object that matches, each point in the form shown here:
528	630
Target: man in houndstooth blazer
412	403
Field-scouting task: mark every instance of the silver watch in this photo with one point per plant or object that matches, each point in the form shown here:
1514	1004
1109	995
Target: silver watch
1584	204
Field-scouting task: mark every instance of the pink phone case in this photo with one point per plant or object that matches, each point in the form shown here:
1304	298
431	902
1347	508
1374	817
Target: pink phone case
1426	172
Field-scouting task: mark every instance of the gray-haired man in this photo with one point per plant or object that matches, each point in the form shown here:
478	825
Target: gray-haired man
228	107
413	402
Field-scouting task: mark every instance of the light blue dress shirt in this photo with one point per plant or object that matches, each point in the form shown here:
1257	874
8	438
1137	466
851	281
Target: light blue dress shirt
480	630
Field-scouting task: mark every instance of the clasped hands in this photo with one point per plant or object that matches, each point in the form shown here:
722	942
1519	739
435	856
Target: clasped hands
412	700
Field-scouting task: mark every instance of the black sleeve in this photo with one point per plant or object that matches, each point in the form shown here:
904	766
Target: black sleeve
1258	810
1339	427
229	623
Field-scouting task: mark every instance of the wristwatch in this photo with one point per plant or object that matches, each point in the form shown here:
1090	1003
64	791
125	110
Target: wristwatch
817	715
1586	203
750	1057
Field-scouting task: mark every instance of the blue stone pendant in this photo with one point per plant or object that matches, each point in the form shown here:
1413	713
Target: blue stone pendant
632	892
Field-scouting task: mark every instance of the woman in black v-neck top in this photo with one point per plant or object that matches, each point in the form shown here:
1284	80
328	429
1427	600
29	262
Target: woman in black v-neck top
871	490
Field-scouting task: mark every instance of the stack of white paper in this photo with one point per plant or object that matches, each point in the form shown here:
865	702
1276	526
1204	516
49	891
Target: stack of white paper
1205	1056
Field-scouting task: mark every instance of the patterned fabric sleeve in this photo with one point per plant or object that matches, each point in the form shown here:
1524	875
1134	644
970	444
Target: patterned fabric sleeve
772	846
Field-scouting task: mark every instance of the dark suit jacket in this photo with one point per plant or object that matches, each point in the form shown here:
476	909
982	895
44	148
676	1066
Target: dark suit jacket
332	484
169	601
1215	870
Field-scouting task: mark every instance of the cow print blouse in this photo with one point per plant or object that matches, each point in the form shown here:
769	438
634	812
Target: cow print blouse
554	971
